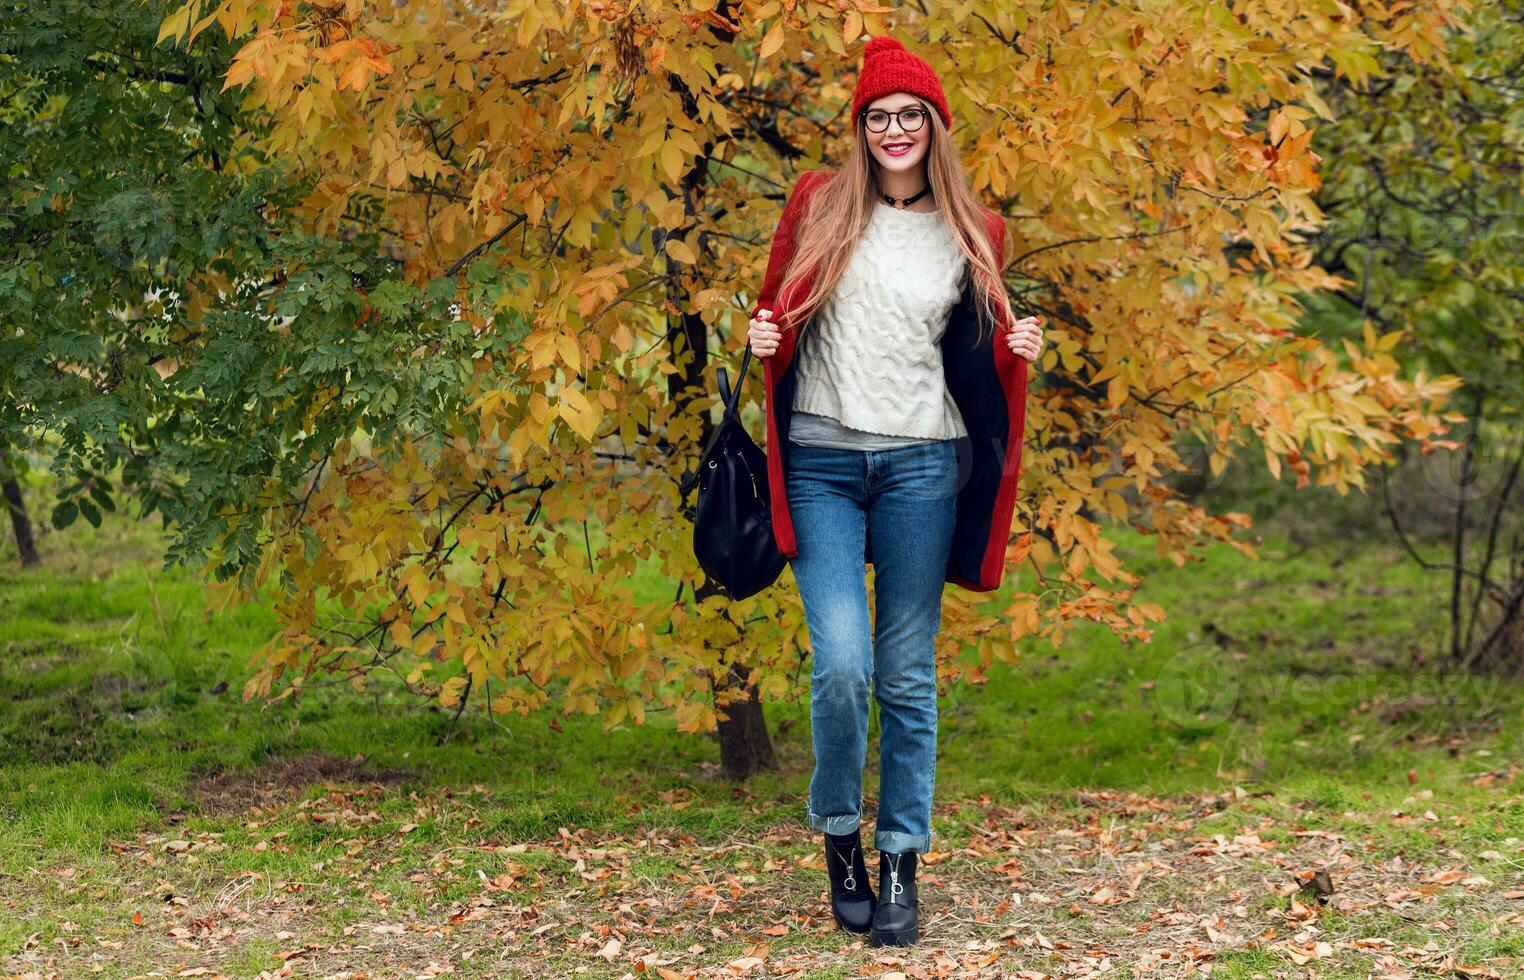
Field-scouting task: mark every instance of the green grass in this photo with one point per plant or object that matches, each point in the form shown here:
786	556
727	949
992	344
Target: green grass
1291	686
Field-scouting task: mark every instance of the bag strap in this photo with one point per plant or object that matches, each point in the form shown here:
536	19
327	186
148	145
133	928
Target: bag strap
730	397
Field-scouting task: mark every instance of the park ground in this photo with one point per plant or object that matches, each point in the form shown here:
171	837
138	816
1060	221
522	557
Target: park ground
1278	785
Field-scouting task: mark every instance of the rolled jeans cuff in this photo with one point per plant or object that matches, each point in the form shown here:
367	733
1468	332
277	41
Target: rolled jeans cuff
895	842
840	824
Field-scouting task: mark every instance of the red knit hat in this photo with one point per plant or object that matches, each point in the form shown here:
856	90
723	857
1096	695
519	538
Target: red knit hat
889	68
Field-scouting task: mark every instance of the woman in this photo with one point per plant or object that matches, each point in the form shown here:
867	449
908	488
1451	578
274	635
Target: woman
894	439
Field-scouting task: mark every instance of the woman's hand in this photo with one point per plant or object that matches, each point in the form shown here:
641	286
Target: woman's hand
762	334
1025	337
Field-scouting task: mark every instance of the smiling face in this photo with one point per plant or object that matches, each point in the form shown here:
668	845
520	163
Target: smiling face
897	148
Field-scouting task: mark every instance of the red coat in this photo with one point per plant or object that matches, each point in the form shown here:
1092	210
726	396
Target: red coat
988	384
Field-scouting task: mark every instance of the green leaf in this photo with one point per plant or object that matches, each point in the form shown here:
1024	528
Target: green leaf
64	514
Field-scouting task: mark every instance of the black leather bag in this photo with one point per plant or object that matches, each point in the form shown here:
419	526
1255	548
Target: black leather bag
733	523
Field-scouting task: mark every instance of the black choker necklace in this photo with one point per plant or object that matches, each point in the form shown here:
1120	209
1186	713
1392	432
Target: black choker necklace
907	201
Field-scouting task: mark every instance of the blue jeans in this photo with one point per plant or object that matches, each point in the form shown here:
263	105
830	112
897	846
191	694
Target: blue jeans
903	501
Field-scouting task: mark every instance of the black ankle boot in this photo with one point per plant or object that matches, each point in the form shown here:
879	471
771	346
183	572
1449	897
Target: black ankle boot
896	916
851	897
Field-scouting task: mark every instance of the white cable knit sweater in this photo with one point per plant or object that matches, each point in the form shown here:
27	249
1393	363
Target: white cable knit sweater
871	358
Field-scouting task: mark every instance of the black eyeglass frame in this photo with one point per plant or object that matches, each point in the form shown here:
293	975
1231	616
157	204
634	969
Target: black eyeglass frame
918	107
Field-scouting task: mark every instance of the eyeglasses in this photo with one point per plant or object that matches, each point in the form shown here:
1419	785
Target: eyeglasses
910	119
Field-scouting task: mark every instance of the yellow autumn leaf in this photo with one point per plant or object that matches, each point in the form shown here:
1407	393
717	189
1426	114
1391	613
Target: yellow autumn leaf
772	41
1116	391
679	250
579	413
450	691
672	161
852	26
566	345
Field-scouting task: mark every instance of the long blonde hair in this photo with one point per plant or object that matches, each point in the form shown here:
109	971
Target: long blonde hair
839	211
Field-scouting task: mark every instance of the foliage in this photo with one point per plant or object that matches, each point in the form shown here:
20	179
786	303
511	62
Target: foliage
591	185
1424	203
131	191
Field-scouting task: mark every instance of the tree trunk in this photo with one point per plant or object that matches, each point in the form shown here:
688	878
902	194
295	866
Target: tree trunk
1458	534
745	746
744	743
11	488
